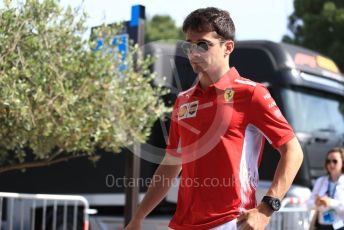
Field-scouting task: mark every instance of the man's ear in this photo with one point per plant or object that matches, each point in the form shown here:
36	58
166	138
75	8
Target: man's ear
229	45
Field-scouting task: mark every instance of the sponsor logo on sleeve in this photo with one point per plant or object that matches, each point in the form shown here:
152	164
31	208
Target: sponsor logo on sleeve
267	96
277	113
272	104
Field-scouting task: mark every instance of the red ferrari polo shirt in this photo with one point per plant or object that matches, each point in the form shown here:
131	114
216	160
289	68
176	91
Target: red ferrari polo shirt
219	135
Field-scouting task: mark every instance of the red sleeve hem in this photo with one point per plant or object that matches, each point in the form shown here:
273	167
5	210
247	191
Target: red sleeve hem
283	140
172	152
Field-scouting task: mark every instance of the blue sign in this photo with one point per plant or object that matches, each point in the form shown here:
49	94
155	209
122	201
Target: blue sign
135	15
121	42
99	44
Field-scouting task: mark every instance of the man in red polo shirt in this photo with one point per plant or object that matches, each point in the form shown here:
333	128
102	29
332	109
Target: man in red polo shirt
216	139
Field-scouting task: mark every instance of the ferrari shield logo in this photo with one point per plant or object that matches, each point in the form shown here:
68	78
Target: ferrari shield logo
228	95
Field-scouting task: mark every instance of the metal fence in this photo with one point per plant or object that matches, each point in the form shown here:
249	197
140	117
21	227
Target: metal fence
43	212
293	215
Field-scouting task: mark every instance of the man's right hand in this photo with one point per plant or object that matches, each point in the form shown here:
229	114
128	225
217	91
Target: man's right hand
169	169
134	225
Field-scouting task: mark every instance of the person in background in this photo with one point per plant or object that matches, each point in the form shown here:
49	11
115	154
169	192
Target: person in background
328	193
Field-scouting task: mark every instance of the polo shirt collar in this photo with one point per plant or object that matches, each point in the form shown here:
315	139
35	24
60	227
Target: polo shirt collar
223	83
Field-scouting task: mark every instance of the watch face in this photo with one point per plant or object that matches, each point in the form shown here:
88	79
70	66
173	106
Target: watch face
276	204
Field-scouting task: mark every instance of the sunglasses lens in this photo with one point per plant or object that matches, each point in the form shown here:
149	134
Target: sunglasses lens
186	46
202	46
328	161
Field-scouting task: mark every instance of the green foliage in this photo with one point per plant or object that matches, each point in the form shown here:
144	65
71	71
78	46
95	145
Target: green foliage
319	25
162	27
58	97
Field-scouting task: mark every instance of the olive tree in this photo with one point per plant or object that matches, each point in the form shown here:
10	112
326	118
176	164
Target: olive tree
59	99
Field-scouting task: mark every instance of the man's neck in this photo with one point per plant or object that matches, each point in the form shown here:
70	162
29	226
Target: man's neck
207	79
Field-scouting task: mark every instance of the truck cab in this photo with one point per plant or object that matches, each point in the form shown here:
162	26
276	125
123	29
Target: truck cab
309	90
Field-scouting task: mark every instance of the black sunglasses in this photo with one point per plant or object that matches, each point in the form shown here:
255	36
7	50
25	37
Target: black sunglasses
200	46
328	161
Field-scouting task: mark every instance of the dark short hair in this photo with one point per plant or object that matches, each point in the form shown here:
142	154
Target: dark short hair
210	19
337	150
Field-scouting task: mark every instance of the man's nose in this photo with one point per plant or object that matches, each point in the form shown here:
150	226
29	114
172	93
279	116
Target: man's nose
194	53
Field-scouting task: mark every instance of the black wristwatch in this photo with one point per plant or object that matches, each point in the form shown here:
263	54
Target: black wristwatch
274	203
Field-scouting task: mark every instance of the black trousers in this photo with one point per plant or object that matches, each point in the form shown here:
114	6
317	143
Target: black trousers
325	227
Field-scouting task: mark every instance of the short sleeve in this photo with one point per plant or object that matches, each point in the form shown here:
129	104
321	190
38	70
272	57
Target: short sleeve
173	144
267	117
